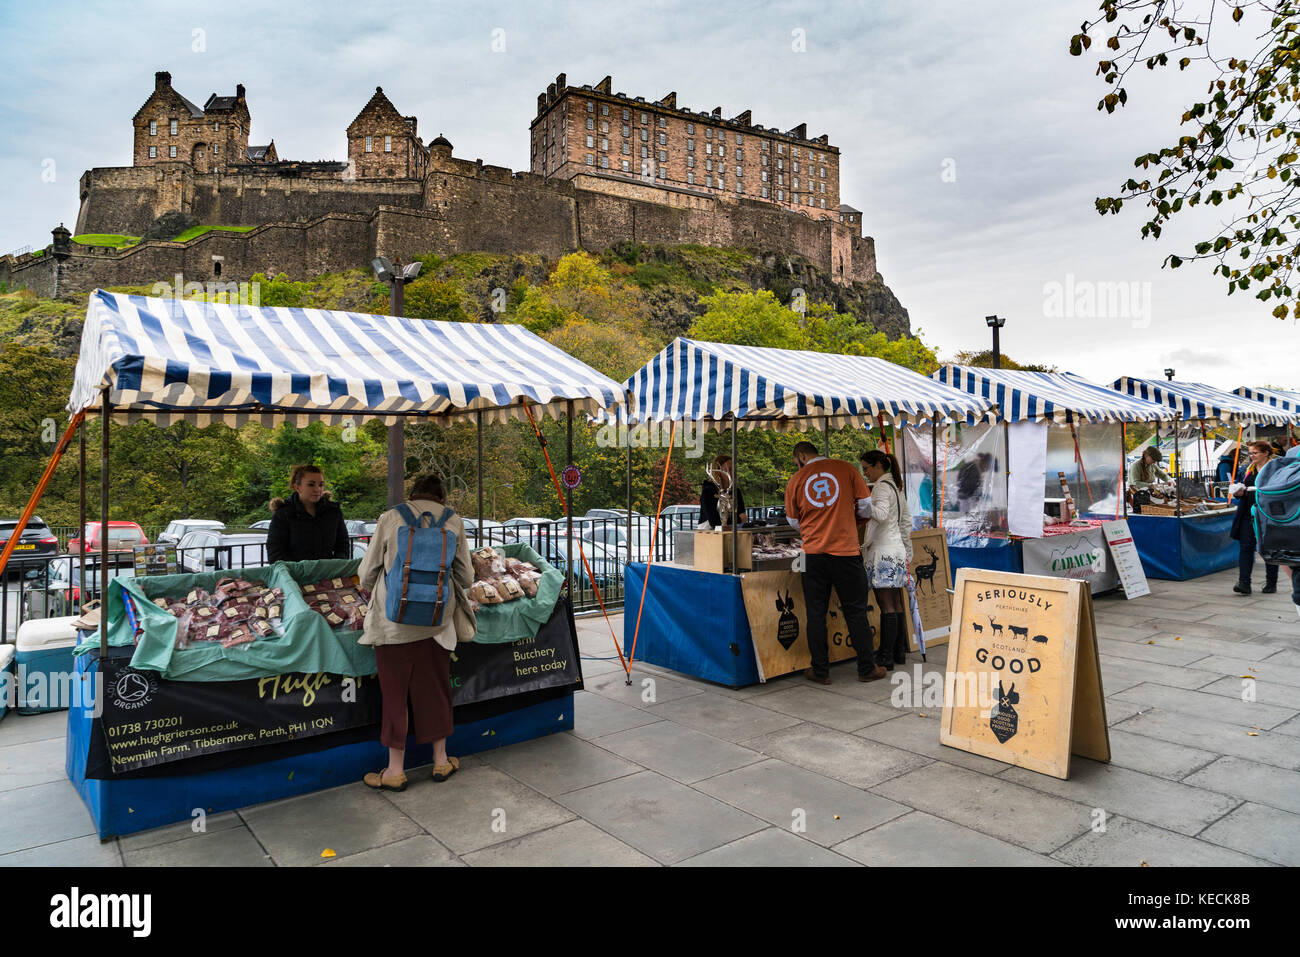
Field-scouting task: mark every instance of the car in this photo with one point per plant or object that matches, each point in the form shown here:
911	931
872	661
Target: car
263	526
36	544
176	530
493	533
122	538
55	589
359	529
204	551
605	567
528	529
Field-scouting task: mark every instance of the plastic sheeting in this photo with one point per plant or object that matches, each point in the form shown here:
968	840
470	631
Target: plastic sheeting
692	622
974	494
1092	470
918	477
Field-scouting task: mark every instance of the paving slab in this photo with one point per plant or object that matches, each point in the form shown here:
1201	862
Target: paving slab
1251	781
575	844
78	852
1265	669
478	807
659	817
1153	756
645	690
558	763
1265	689
1126	843
1119	674
1259	831
681	753
815	807
1003	809
347	820
232	847
1214	647
816	704
846	757
1201	704
920	735
1286	657
1125	632
32	762
1142	797
1158	651
771	848
18	728
723	717
42	814
595	715
1266	747
418	851
180	830
1291	727
923	840
1171	624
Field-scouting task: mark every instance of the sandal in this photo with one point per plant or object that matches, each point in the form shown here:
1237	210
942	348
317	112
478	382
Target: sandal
376	780
442	772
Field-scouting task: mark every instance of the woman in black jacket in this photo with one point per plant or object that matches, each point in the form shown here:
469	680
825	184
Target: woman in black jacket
1243	528
307	525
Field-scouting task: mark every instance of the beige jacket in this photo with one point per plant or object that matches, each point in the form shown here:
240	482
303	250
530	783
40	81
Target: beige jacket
889	526
380	557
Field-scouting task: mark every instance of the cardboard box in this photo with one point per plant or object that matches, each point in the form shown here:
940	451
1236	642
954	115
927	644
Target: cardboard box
713	550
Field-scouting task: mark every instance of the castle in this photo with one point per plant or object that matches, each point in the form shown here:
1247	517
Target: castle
605	168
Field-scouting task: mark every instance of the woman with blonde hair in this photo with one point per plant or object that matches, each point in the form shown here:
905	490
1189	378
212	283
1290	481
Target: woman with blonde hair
1243	529
308	524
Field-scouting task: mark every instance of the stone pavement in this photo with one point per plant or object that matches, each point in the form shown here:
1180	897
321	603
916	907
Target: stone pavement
707	775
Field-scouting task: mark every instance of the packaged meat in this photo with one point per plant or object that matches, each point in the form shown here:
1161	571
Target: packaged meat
488	564
529	584
240	635
509	589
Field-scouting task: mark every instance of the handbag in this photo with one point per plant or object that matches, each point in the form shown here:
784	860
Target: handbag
463	617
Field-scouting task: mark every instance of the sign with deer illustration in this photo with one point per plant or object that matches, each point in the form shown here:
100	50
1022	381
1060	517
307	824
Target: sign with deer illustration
1023	682
778	623
933	578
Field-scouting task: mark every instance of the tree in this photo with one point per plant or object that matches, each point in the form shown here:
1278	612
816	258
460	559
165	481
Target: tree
1241	142
983	359
748	319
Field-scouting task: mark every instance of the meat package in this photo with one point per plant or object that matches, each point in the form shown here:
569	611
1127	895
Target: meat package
342	602
236	612
500	579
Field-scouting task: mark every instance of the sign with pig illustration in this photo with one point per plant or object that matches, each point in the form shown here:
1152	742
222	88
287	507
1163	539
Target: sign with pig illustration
1023	682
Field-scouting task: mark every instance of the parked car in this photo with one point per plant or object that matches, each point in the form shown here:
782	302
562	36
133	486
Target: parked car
55	589
528	530
359	529
36	544
263	526
615	539
606	568
493	532
122	538
682	516
176	530
205	551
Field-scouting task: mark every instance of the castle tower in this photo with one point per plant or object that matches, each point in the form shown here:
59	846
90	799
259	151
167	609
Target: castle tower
169	128
383	144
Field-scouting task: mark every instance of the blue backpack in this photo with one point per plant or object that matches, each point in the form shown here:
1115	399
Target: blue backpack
418	583
1276	512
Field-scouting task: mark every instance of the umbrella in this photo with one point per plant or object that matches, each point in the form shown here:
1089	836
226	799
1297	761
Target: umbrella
916	614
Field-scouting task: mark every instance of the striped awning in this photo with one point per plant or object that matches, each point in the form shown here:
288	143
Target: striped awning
710	382
1050	396
1283	399
167	360
1195	400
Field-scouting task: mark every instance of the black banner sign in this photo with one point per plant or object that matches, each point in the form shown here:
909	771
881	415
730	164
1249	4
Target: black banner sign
481	672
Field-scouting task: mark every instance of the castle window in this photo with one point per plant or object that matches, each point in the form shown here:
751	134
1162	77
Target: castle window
764	159
740	155
822	172
591	160
663	156
370	148
216	150
589	142
645	117
171	151
663	139
627	149
645	170
627	115
765	145
690	178
708	164
153	152
625	166
604	162
764	176
153	127
766	193
708	181
740	187
645	152
173	127
627	130
796	182
780	147
708	132
663	172
604	143
690	161
690	144
796	151
604	126
780	194
780	163
722	150
388	144
663	122
604	109
823	204
690	127
708	148
796	166
591	106
740	138
645	136
591	124
216	127
739	171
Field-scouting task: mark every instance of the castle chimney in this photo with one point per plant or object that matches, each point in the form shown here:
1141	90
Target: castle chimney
550	94
605	85
541	103
560	82
670	100
239	91
162	80
745	118
717	112
800	132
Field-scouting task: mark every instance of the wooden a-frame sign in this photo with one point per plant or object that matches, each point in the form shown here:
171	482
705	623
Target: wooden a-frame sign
1023	679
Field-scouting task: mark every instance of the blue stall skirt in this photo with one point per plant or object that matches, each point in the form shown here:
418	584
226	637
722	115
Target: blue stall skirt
1176	549
998	555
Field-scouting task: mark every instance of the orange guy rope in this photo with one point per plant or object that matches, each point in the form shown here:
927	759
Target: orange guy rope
654	529
48	474
1236	454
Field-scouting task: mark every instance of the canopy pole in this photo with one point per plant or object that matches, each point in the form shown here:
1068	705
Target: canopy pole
479	425
934	474
627	433
103	529
1123	470
1200	451
81	511
943	488
1178	493
735	498
826	424
568	505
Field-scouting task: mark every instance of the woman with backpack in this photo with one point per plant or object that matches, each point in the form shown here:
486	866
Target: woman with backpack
1243	529
307	525
888	552
414	660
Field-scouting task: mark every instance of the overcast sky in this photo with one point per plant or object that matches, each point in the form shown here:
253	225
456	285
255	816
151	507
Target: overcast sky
983	92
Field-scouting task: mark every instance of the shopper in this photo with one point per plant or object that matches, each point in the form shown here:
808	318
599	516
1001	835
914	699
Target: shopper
414	662
823	500
308	524
723	469
1243	529
888	552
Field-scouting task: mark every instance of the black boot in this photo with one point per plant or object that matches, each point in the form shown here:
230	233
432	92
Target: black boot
1242	588
900	639
885	653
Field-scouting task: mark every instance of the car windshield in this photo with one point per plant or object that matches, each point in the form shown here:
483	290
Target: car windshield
123	535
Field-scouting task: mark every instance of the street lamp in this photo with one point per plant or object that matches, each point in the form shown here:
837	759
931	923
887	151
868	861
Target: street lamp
397	277
995	323
494	497
61	251
1169	374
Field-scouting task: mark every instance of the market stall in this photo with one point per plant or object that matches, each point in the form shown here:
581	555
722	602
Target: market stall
1030	493
735	614
1189	537
200	712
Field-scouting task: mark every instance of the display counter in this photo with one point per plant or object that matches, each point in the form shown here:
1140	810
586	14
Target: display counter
1177	549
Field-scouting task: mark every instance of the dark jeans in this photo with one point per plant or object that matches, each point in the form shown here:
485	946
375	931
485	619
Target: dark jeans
1295	584
846	574
1246	560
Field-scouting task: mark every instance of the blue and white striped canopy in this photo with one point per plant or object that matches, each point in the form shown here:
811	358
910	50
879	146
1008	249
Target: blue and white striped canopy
168	360
1195	400
709	382
1050	396
1283	399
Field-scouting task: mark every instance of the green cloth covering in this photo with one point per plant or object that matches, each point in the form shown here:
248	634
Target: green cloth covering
523	617
308	644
